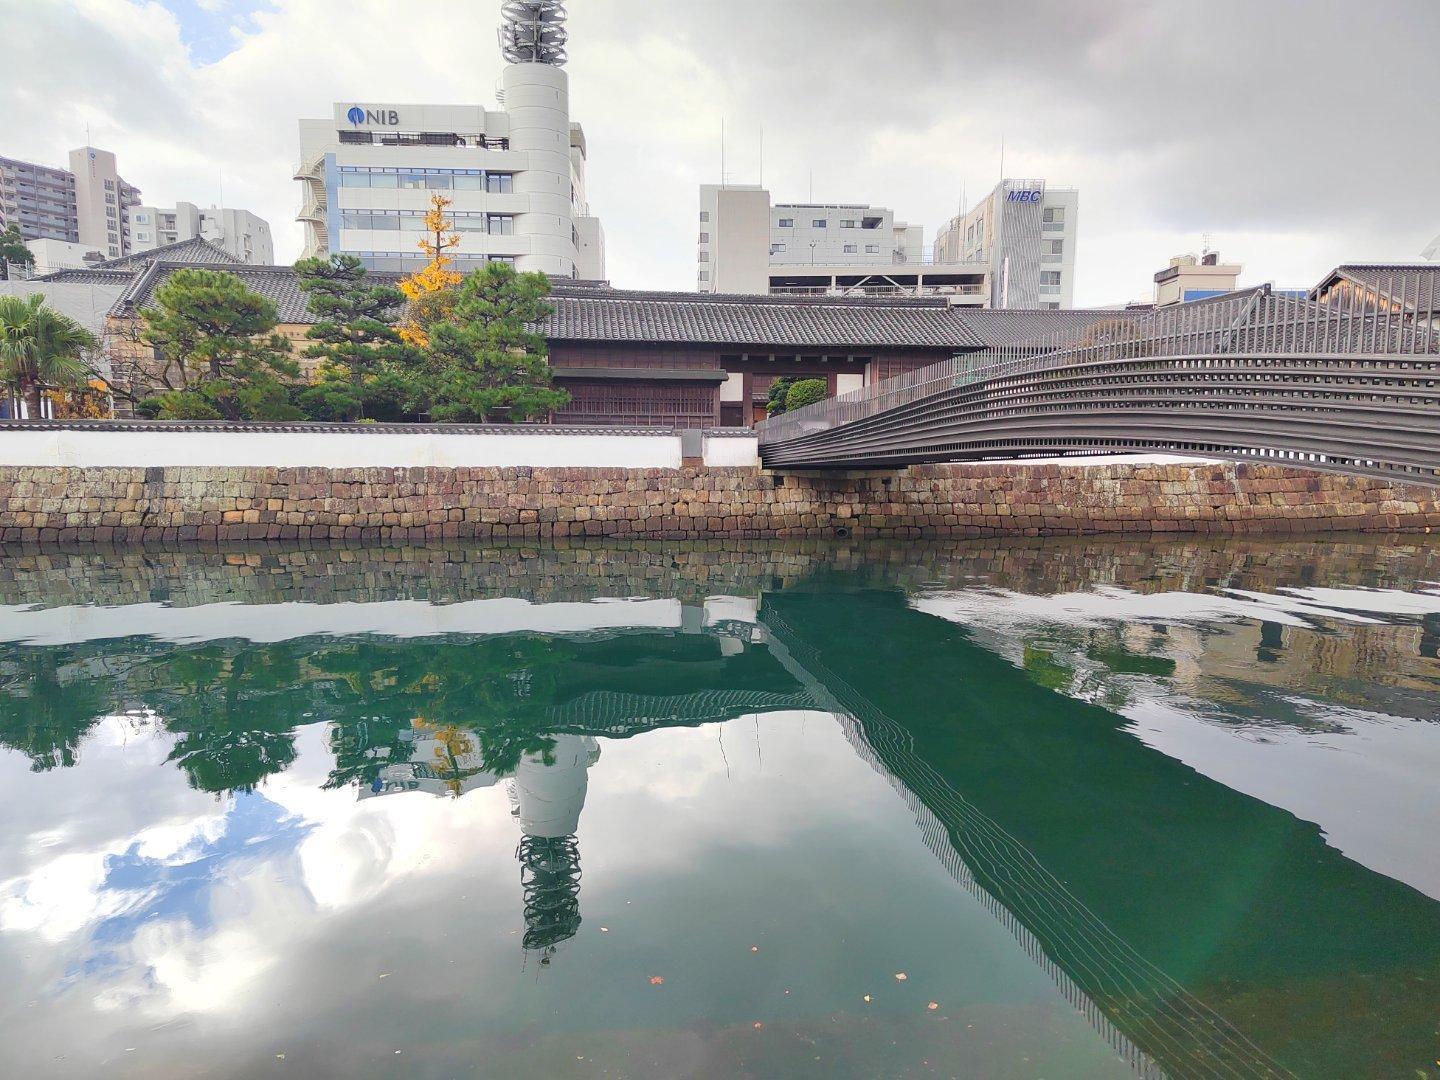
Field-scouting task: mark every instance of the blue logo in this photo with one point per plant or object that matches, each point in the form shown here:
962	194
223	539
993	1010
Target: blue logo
1025	196
356	115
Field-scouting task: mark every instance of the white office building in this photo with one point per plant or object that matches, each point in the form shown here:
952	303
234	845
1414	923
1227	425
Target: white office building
1025	233
241	233
746	244
515	175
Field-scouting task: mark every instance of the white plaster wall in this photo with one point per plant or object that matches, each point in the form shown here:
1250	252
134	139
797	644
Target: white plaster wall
344	450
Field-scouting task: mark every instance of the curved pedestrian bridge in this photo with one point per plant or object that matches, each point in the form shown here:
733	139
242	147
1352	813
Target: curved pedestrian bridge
1346	378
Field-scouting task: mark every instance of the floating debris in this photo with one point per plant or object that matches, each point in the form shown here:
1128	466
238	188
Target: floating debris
657	980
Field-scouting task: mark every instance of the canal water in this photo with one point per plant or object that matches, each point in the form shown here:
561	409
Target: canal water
1004	809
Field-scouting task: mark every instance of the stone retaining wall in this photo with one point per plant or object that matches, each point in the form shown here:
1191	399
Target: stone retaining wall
128	505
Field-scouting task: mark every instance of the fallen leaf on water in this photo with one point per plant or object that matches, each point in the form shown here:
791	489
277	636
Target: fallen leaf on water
758	1025
867	999
279	1057
604	929
656	980
386	975
900	976
933	1006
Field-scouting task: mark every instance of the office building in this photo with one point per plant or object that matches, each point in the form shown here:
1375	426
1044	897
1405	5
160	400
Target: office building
515	175
746	244
1024	233
1188	278
88	203
241	233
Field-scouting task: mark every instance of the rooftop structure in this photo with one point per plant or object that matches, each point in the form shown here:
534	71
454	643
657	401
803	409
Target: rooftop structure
1191	278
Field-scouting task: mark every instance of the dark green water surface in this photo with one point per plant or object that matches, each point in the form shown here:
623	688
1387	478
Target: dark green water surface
1061	809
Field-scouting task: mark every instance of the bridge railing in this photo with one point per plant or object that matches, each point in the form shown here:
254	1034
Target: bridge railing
1398	317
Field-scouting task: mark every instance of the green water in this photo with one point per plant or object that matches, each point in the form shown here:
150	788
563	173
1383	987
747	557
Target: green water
1007	810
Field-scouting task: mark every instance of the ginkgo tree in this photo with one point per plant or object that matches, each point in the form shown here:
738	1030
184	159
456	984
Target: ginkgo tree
431	291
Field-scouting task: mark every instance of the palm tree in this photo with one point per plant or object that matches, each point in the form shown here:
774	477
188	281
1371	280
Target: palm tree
39	348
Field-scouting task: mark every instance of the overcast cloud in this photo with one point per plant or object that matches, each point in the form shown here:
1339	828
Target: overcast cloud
1296	135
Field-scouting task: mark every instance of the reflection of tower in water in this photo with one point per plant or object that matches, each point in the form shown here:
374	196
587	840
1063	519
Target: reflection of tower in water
547	794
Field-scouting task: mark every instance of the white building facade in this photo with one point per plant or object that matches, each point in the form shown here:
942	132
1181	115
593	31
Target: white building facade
241	233
515	179
1024	232
746	244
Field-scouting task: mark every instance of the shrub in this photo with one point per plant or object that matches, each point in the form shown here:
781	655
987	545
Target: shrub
806	392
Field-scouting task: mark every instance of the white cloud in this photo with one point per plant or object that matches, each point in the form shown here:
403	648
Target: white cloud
1272	127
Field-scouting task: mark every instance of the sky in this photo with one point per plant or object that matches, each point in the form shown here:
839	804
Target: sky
1293	134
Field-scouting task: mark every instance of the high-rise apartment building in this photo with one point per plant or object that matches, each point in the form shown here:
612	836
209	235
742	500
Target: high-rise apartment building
1025	233
88	203
515	176
241	233
746	244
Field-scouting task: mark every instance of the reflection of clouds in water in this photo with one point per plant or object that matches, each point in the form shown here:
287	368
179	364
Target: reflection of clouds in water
1364	775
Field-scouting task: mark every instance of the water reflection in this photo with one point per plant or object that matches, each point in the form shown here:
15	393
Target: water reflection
1191	781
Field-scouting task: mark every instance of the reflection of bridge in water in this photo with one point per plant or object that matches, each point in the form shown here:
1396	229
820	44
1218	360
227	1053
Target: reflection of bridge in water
1346	379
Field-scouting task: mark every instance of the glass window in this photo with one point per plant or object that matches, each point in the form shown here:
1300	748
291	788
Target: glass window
384	180
355	179
500	183
1054	214
818	223
386	222
1049	277
774	248
114	250
508	260
704	256
872	249
502	224
704	215
438	183
704	238
464	224
704	275
410	181
109	185
142	234
850	249
1055	247
109	197
787	223
847	223
469	182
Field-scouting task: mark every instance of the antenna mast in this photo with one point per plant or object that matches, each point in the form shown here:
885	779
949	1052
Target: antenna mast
533	32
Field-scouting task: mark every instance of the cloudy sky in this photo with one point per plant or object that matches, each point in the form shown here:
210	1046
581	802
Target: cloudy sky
1293	134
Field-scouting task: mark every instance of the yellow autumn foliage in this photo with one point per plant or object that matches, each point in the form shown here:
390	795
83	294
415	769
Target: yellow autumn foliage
428	289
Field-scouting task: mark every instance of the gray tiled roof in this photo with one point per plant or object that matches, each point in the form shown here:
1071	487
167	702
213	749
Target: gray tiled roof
1386	278
597	314
182	251
88	275
278	284
1016	326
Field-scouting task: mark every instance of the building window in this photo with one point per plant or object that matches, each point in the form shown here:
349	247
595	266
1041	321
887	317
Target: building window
776	248
142	235
704	215
1049	277
500	183
501	224
142	219
704	238
847	223
110	197
704	256
818	223
850	249
704	275
1054	247
508	260
109	185
787	223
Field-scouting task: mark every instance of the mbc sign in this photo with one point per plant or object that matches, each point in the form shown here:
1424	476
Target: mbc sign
1024	196
358	116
